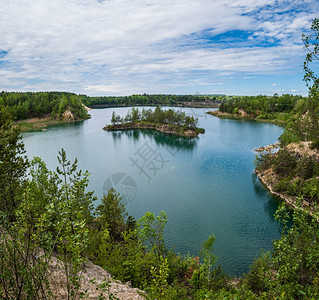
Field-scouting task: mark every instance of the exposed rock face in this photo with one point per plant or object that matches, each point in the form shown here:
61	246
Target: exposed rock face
68	116
303	148
268	148
89	274
87	108
242	113
269	178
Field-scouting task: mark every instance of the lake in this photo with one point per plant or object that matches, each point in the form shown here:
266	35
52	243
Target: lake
205	185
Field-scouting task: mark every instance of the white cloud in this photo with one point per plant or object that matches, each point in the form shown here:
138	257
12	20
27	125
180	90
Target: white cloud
110	89
112	46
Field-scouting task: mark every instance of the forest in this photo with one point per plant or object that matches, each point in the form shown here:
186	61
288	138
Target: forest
144	99
168	121
29	105
298	114
261	105
42	104
276	109
169	116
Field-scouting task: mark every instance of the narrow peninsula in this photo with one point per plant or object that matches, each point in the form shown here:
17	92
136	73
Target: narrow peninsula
167	121
269	109
33	111
292	175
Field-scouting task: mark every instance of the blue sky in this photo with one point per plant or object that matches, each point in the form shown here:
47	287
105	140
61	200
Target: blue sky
123	47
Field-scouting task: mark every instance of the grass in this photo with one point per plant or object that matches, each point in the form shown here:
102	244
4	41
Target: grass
38	125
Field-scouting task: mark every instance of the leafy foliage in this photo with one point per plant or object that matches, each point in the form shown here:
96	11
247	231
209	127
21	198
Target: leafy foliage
49	213
151	230
296	174
311	43
111	214
158	116
31	105
261	107
13	164
144	99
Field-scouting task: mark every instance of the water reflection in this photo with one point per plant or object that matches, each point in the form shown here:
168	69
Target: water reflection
258	187
272	203
173	142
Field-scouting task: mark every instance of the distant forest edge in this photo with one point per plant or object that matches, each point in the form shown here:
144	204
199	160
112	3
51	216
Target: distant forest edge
26	105
275	109
154	99
44	104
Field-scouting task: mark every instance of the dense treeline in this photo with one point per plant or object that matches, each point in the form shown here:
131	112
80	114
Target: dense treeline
298	114
293	174
159	115
261	106
145	99
42	104
38	105
168	121
303	122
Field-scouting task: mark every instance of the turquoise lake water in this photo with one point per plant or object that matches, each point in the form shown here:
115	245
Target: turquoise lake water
205	185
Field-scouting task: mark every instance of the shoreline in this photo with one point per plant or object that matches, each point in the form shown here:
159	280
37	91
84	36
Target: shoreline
269	179
165	128
223	115
289	200
266	177
41	124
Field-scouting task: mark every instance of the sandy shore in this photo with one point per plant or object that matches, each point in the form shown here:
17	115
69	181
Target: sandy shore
35	120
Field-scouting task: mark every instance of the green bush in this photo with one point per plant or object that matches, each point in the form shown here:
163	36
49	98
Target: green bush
306	167
315	144
311	189
285	163
258	278
288	137
294	188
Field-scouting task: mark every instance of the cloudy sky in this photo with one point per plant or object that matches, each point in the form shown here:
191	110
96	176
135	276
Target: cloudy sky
123	47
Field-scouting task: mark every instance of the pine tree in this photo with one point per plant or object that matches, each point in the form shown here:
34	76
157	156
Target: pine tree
13	164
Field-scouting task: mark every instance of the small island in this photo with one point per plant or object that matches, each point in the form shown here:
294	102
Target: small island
168	121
